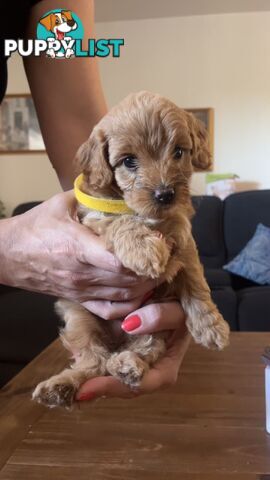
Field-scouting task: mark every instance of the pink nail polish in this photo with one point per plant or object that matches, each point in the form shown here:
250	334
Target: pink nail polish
81	397
131	323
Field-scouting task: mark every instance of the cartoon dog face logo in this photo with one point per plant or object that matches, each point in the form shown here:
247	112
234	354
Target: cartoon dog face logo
59	24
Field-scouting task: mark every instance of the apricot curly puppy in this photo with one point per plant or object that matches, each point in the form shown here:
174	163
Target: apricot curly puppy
143	151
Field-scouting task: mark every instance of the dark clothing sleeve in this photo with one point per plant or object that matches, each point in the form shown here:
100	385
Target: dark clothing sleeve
14	16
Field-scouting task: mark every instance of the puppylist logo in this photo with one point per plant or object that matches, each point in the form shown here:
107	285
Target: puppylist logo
59	35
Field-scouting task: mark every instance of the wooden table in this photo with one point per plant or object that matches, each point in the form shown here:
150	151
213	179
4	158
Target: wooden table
211	426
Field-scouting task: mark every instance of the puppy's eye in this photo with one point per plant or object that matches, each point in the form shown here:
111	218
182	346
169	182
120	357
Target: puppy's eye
57	21
130	162
178	152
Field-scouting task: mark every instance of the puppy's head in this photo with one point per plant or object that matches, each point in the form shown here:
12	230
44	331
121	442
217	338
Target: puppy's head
59	23
145	150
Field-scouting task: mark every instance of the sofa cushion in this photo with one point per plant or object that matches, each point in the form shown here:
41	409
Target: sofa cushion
253	262
28	324
242	213
216	277
253	309
207	229
226	301
239	283
24	207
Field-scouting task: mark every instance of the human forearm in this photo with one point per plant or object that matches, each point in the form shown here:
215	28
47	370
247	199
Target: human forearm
6	228
67	93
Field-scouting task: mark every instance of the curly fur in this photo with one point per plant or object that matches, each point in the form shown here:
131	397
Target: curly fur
155	241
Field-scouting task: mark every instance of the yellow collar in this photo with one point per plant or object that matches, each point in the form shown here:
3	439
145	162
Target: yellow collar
99	204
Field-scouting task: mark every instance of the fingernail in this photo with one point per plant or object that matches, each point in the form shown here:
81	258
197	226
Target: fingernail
147	296
81	397
131	323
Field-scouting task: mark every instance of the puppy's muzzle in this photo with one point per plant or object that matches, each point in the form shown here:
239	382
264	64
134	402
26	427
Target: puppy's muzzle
164	196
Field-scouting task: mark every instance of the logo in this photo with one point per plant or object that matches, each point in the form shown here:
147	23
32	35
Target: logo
59	35
60	29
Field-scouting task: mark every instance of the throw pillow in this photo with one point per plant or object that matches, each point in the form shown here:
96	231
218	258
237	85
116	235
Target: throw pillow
253	262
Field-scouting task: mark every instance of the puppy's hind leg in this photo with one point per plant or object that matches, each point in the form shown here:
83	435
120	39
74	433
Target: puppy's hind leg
60	390
140	352
86	340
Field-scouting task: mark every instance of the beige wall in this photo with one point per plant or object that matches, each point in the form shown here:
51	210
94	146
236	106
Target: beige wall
24	177
221	61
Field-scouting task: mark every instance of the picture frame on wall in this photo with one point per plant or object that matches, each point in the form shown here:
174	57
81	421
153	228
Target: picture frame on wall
19	127
20	131
206	115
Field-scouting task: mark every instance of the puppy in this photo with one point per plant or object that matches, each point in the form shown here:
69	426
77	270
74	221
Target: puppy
59	24
143	151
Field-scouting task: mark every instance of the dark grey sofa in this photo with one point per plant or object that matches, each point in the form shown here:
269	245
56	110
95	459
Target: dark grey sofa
221	230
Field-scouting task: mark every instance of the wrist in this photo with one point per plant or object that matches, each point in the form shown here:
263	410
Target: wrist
6	242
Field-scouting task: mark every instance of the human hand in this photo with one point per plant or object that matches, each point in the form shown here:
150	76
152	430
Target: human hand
48	251
154	318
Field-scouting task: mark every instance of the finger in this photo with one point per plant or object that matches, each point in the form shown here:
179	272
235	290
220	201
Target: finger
92	251
97	276
95	293
71	203
112	310
91	248
165	372
62	203
154	318
103	387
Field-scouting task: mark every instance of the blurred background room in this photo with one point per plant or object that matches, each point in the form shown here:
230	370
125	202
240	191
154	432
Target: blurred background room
205	55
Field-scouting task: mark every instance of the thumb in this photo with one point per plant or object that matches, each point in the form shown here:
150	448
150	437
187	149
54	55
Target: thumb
92	251
103	387
91	247
154	318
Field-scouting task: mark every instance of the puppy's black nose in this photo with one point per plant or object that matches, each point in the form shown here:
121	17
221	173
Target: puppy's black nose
164	196
70	23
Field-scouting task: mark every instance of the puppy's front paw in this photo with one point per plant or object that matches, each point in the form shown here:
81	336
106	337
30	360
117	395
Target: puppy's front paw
128	367
53	393
150	257
211	331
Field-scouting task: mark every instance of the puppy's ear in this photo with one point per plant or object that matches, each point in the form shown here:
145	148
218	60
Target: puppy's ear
93	160
67	14
201	155
46	21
